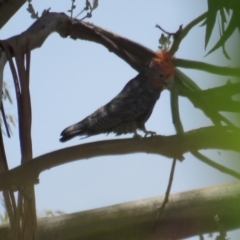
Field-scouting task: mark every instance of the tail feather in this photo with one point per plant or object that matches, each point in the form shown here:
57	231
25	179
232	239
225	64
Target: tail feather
73	131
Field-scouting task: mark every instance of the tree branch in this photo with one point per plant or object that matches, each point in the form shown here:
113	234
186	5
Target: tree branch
169	146
224	71
8	9
166	198
211	163
135	54
182	33
187	214
174	95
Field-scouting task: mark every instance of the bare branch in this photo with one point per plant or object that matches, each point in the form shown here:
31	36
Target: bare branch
41	29
187	214
169	146
165	201
166	32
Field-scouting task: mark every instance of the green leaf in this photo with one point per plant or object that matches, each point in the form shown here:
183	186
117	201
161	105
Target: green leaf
211	19
221	30
88	4
226	34
8	96
223	16
95	4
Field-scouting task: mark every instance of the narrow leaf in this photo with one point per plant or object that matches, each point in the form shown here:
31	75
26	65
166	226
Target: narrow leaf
88	4
95	4
211	19
223	16
8	96
227	33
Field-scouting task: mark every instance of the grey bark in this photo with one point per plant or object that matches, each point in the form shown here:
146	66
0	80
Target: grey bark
187	214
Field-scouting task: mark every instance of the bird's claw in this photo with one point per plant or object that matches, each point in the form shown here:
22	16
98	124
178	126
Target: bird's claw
151	133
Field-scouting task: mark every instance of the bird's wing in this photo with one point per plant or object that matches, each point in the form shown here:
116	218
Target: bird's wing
132	104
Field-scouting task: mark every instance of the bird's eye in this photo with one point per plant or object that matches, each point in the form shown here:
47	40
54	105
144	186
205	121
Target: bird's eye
161	75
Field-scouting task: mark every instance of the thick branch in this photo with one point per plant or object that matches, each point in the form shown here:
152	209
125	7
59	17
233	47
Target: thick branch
8	8
170	146
187	214
133	53
40	30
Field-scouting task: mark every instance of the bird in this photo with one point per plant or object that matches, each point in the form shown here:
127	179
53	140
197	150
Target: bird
132	107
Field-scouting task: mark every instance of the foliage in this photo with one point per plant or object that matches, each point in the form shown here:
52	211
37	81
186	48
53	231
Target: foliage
88	7
48	213
30	9
219	11
9	119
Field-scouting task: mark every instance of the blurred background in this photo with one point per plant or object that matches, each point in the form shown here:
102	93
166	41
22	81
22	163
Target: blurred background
71	78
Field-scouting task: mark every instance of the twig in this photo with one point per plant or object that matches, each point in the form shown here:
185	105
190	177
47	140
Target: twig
224	71
168	33
88	5
72	7
181	35
165	201
215	165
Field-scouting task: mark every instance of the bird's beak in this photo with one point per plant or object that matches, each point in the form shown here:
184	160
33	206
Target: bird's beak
168	83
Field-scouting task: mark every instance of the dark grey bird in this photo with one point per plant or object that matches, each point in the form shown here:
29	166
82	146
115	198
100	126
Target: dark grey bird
132	107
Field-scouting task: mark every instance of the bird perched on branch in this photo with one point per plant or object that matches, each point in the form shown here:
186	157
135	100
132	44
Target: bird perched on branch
132	107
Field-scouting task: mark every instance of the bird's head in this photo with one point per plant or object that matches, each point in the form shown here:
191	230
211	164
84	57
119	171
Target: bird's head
160	71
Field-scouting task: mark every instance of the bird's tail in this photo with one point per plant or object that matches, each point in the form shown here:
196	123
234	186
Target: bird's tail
73	131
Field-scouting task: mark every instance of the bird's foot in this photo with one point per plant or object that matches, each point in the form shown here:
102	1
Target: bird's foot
151	133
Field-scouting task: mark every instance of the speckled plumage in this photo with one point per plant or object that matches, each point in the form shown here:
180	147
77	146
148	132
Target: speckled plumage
128	111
